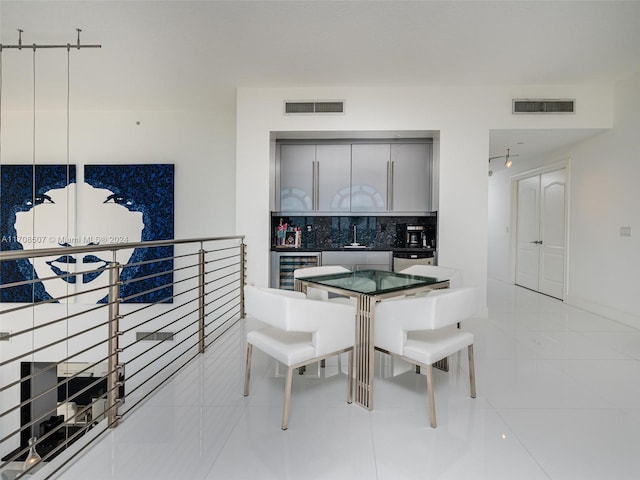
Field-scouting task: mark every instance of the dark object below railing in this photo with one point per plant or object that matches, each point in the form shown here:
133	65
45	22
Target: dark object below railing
208	276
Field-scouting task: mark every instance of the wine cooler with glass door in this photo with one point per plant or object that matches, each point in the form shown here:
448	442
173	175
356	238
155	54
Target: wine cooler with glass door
283	265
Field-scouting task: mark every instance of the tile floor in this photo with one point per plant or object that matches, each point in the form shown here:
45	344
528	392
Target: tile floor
558	398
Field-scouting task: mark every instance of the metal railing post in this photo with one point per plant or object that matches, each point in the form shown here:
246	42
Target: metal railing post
113	382
201	279
243	276
156	339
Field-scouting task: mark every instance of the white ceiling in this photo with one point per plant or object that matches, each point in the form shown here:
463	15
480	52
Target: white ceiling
178	51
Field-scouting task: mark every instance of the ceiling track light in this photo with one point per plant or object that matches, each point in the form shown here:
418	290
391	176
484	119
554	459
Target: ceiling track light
507	158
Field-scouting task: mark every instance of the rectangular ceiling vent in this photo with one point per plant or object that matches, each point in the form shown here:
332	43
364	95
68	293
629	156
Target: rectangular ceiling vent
313	107
4	336
543	106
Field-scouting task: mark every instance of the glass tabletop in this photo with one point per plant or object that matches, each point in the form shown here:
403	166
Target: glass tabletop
372	282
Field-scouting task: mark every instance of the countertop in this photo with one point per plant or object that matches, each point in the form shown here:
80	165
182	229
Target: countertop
359	249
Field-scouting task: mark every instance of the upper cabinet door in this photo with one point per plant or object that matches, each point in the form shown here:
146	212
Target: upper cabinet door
369	171
333	177
411	177
297	177
354	177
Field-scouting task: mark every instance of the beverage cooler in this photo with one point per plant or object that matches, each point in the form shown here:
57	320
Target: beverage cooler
283	265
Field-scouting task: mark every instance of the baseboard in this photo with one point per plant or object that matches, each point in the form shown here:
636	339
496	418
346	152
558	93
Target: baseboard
604	310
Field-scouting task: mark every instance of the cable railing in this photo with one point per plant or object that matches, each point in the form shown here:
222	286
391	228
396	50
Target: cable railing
99	337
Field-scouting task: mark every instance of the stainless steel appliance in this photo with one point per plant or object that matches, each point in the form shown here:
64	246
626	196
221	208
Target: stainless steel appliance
402	260
284	263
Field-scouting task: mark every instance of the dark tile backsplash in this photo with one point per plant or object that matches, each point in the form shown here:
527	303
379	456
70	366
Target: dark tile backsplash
331	232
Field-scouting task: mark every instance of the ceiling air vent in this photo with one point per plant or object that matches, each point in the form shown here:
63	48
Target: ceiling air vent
311	107
4	336
543	106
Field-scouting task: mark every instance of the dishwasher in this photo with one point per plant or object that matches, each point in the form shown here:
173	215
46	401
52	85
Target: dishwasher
402	260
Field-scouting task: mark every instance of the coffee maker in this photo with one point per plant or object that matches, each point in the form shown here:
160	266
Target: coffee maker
415	236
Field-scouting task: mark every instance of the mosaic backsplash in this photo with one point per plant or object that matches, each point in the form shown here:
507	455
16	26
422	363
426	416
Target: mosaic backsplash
331	232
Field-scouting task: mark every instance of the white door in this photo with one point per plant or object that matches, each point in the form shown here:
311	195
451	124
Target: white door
540	256
528	233
552	233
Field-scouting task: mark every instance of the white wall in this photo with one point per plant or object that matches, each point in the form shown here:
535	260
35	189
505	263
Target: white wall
603	267
200	142
463	118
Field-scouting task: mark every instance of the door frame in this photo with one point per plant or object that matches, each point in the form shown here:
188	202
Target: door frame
565	164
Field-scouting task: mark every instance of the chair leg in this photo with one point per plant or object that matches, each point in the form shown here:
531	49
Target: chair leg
350	378
247	370
432	402
287	399
472	372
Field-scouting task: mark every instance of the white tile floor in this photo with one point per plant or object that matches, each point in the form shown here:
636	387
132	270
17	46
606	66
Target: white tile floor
558	398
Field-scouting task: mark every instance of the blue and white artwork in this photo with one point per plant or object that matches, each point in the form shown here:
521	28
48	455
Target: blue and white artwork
23	187
46	206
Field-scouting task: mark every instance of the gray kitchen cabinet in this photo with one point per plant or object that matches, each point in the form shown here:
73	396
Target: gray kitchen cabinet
410	177
297	177
392	177
354	176
333	173
360	260
369	177
315	177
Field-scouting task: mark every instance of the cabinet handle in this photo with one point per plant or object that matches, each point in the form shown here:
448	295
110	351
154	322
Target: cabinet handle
317	185
314	183
393	168
388	185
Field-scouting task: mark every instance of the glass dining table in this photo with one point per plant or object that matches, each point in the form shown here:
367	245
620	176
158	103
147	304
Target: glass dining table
368	287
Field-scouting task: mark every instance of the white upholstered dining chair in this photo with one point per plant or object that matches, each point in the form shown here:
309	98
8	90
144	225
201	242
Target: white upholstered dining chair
317	293
454	275
298	331
422	330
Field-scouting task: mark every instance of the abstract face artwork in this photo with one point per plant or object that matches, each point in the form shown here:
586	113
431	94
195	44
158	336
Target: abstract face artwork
115	204
100	220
